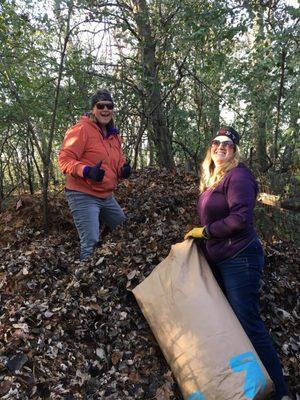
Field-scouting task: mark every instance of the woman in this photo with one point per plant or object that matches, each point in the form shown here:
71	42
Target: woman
92	160
227	198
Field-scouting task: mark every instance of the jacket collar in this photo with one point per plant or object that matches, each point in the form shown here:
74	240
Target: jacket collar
110	130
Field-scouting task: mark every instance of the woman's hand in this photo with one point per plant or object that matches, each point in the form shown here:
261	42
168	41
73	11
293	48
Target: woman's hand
126	170
197	233
95	173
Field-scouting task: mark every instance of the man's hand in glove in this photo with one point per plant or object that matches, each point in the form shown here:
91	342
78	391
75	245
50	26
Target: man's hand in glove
197	233
95	173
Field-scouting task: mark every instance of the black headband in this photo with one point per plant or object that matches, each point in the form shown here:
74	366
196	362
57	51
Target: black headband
230	133
101	95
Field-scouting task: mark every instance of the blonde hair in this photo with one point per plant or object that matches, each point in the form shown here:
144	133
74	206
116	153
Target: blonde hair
92	118
210	175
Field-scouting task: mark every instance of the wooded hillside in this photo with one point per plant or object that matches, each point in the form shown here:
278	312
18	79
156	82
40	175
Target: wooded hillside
177	70
74	330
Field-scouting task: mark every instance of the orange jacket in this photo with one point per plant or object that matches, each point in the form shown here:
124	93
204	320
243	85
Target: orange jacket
84	145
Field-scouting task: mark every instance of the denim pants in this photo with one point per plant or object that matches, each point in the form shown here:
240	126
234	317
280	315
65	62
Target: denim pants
239	278
86	210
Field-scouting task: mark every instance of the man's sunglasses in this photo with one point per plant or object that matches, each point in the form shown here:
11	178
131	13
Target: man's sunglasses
226	143
101	106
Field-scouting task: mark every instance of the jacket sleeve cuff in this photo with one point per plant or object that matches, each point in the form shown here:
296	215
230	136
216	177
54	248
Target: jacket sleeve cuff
80	170
207	232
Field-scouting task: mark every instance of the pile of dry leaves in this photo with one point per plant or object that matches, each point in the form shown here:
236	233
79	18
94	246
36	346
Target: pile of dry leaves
72	330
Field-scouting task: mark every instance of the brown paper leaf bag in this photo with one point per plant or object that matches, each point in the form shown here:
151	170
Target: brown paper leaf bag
199	335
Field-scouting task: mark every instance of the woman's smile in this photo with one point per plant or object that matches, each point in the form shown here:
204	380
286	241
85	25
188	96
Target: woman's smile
222	150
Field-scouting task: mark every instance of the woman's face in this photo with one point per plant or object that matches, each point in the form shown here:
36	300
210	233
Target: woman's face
222	150
103	111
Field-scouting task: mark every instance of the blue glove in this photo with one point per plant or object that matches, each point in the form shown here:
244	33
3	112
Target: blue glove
95	173
126	170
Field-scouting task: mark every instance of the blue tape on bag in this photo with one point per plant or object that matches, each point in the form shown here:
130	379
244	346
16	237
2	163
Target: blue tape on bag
196	396
254	379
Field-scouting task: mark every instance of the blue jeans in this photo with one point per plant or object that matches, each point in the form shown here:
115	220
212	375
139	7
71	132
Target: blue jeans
239	278
86	210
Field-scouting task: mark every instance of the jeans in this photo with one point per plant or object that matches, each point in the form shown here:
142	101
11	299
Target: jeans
239	278
86	210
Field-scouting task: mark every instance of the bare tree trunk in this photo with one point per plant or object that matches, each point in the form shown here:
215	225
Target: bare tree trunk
261	142
137	145
46	166
10	175
160	133
151	152
1	183
214	120
45	152
292	204
30	174
279	98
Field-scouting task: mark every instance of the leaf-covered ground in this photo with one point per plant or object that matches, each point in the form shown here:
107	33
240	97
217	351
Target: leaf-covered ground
72	330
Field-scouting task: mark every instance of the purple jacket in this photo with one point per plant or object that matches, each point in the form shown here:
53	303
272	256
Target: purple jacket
227	212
